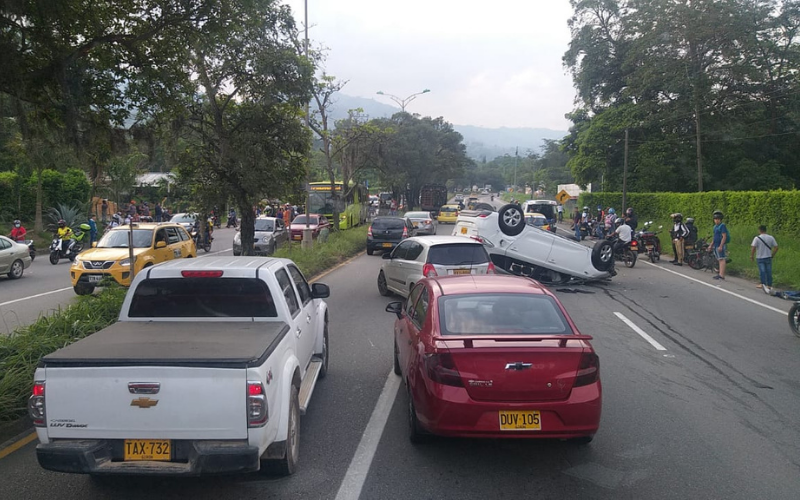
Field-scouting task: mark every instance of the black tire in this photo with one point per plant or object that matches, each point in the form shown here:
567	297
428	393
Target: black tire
83	289
287	465
652	255
629	258
17	268
415	432
397	370
54	258
237	254
794	318
383	288
369	251
511	219
325	354
603	256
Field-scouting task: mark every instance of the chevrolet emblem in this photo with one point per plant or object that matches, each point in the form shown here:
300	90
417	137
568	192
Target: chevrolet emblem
144	402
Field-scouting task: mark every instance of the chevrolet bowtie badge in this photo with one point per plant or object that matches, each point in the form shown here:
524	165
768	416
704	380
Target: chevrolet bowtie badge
144	402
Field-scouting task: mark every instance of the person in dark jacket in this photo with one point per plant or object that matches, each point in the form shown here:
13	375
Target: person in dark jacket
631	219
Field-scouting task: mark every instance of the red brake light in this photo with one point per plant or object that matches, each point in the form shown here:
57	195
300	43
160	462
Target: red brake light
254	388
201	274
633	243
428	270
588	369
491	269
257	406
440	368
405	232
369	231
38	389
36	405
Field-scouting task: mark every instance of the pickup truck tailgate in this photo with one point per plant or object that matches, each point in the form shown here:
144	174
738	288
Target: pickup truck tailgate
107	402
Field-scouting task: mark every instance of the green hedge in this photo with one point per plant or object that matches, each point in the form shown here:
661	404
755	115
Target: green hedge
778	210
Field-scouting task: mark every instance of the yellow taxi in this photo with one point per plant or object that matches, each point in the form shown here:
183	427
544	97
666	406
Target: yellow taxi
448	214
110	257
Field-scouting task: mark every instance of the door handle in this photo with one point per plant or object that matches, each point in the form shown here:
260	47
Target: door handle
298	332
308	318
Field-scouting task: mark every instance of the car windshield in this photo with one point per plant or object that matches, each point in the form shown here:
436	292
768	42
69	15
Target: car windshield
501	313
142	238
447	209
418	215
202	298
388	224
183	219
301	219
265	225
458	254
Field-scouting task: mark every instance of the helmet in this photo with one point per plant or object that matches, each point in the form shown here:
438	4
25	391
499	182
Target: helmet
116	217
17	223
62	223
611	211
690	220
599	207
585	209
677	217
86	227
717	215
618	221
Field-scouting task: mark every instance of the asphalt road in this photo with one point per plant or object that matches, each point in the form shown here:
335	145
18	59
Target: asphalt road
708	409
44	287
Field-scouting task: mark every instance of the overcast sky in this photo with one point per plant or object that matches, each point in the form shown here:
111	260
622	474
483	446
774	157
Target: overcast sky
491	64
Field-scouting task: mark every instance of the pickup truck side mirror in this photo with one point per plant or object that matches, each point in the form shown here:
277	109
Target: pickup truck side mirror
395	307
386	255
320	291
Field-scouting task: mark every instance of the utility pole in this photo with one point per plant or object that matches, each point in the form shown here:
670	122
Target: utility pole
625	175
308	241
516	159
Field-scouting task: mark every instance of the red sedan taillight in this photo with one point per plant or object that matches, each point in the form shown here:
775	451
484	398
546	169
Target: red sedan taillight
441	369
257	408
588	369
36	407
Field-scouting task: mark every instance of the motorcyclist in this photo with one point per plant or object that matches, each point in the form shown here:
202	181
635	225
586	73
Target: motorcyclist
624	234
64	232
116	220
231	218
609	221
630	219
679	233
18	232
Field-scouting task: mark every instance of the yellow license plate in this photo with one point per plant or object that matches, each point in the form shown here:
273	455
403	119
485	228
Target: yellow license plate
148	449
520	421
387	245
298	237
461	271
463	230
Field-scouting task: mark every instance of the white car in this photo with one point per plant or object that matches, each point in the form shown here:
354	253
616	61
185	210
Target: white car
416	258
518	248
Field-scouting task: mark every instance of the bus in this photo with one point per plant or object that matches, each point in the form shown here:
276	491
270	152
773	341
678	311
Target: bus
353	208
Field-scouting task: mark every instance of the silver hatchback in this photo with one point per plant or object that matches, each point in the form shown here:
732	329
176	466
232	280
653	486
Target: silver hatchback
417	258
270	234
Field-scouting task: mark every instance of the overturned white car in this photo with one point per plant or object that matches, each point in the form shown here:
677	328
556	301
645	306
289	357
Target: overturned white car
518	248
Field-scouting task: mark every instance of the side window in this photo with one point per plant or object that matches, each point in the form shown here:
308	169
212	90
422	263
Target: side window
279	225
420	308
301	284
412	298
184	236
415	249
4	244
161	235
172	236
401	250
288	291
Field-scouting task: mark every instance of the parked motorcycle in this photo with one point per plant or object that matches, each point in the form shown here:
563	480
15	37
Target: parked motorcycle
648	242
698	256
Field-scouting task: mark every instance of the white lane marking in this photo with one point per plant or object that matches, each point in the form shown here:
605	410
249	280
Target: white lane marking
214	253
717	287
35	296
641	332
356	474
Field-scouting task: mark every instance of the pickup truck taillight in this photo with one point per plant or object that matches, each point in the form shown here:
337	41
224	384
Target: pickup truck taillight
36	408
257	409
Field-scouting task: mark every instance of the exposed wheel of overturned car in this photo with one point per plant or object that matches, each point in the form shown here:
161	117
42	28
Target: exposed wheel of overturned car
603	256
511	219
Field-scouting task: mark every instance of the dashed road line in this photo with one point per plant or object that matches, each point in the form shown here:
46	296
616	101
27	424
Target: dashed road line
641	332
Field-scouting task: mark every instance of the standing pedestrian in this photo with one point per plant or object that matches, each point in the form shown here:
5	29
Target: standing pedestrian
92	230
720	243
560	209
679	233
763	249
159	212
576	223
104	210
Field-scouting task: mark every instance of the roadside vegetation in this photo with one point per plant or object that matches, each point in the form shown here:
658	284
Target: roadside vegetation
21	350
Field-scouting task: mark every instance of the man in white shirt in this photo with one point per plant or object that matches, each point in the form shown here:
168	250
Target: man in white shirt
764	248
624	232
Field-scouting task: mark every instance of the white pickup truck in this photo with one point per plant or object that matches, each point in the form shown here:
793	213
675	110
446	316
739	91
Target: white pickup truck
208	370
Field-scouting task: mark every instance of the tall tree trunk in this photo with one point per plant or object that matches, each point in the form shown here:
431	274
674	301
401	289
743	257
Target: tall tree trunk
699	147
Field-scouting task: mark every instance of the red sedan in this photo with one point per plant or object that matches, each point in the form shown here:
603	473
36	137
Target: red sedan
315	223
494	356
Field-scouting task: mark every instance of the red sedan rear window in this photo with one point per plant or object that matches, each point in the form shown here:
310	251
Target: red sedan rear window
502	314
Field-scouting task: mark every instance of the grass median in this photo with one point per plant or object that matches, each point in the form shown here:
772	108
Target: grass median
21	350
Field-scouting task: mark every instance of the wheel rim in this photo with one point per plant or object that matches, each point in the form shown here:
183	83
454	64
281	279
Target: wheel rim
382	283
293	441
794	320
606	254
16	269
512	217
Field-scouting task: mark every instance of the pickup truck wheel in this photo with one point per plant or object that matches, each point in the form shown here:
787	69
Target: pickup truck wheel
603	256
288	464
323	371
511	219
383	288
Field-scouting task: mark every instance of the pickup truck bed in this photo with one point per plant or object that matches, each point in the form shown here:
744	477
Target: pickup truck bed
172	343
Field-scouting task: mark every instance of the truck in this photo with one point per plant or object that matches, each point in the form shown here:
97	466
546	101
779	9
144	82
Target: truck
432	197
207	370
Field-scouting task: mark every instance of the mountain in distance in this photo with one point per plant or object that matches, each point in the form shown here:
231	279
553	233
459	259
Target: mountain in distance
482	142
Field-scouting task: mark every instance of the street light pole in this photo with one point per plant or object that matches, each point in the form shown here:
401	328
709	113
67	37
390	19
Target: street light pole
403	102
307	241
